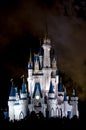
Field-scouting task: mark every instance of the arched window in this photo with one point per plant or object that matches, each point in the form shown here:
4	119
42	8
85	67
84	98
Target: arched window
52	112
57	111
21	116
61	112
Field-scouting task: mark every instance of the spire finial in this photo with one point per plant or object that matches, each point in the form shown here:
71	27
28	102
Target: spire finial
11	81
30	56
74	92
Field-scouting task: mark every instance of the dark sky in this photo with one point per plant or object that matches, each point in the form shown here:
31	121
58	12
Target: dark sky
22	24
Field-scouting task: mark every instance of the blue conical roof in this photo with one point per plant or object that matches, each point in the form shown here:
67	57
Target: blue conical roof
30	65
12	92
65	96
23	88
57	72
28	94
60	87
51	88
16	90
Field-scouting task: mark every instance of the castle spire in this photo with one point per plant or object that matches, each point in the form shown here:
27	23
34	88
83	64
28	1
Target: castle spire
30	56
74	92
51	88
12	92
60	87
65	94
11	81
23	85
30	64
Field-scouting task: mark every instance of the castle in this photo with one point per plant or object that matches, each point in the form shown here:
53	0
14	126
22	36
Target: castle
45	91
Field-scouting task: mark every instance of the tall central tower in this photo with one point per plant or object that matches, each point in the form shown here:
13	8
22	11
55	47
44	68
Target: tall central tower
46	47
46	63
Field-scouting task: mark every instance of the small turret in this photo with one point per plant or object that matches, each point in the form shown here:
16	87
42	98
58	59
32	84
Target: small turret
54	66
57	81
65	103
40	57
11	102
60	87
30	64
51	88
12	92
46	47
65	97
52	101
74	102
23	93
36	63
60	91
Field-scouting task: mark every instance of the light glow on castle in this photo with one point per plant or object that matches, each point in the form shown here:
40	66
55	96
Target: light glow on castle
45	91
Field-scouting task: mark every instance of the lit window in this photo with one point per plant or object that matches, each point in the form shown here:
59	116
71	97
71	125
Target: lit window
37	97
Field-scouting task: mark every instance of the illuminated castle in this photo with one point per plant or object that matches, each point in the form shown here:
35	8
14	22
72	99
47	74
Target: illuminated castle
45	91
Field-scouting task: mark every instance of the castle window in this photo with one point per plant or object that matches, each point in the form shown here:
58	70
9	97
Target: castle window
21	116
52	112
37	97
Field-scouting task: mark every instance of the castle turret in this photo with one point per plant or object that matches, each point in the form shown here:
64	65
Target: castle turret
36	63
46	64
30	71
21	107
65	104
16	93
52	102
11	101
40	58
47	47
57	81
74	102
60	91
54	66
23	94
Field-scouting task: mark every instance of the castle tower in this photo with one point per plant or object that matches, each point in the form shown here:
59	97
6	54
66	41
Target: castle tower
74	103
57	81
65	104
46	64
21	110
60	91
30	71
36	63
11	101
52	102
46	47
40	57
54	65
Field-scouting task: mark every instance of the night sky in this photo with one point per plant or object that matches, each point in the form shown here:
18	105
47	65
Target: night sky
23	23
